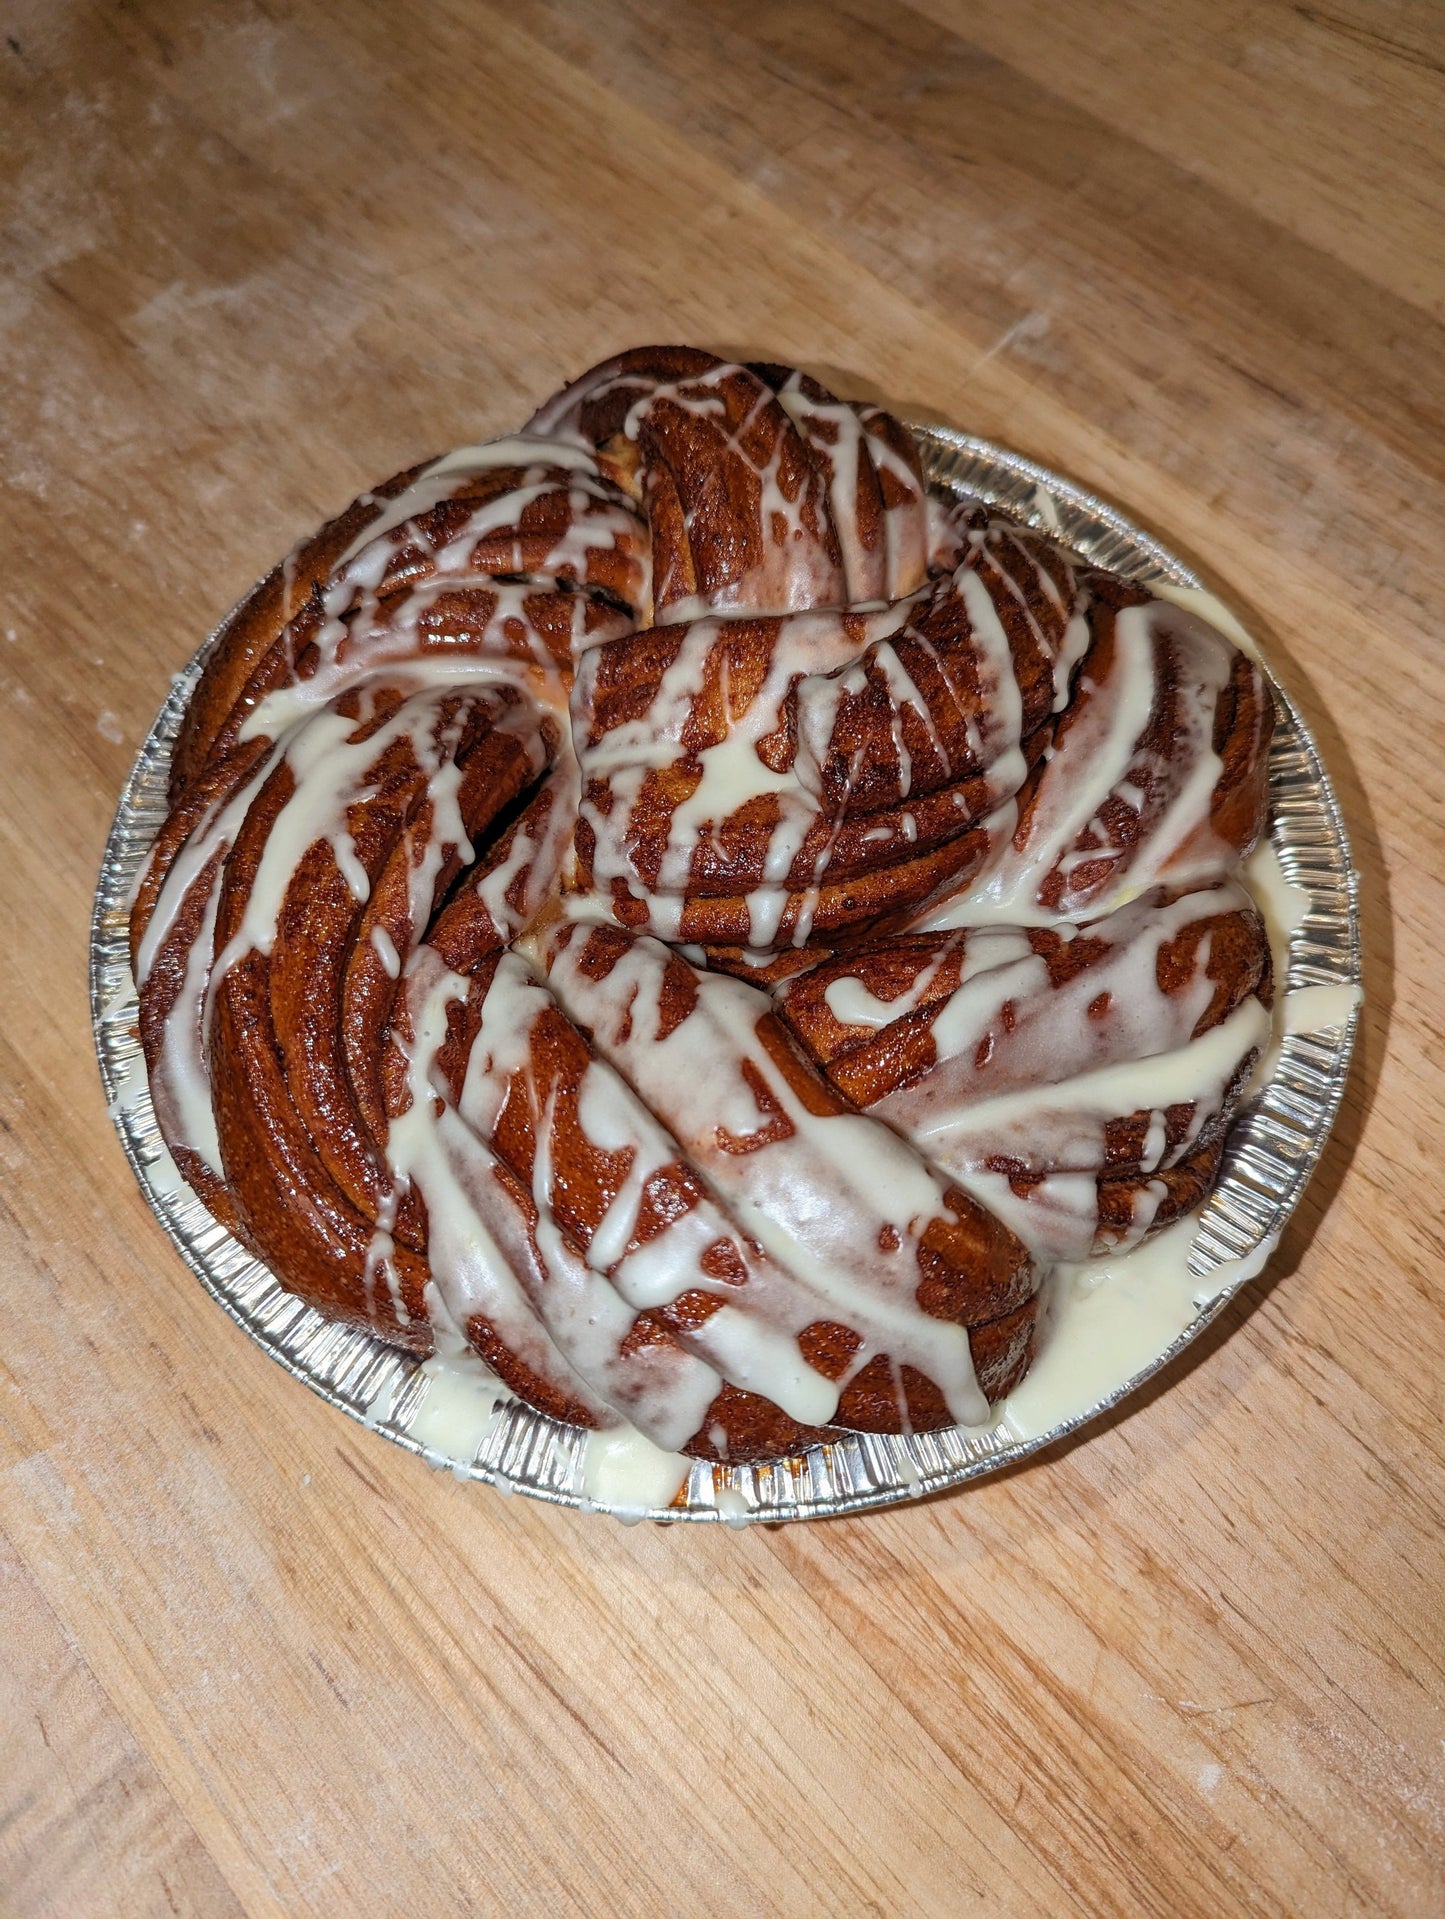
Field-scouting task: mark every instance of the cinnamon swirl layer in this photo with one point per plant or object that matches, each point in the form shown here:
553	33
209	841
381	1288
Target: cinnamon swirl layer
1079	1080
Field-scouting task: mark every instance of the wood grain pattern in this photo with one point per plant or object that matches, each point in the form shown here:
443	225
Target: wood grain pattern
255	1661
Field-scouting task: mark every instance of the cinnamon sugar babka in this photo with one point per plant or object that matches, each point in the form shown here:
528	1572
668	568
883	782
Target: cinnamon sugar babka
665	902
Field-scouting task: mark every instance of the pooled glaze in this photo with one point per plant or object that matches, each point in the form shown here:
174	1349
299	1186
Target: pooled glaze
1107	1320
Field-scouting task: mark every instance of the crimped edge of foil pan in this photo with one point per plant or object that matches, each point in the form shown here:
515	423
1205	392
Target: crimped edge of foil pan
1272	1150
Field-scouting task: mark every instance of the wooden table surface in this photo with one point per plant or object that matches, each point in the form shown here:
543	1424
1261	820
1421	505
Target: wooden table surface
253	1660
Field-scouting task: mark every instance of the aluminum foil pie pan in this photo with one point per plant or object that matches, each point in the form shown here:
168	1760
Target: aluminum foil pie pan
1271	1153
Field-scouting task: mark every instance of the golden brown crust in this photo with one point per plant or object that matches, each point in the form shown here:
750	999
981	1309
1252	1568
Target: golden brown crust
1002	1352
1082	1004
922	972
253	628
1118	839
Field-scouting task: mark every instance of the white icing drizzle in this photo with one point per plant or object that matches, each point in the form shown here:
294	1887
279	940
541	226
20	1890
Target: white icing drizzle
180	1075
816	664
552	1308
753	1344
734	1509
850	1001
732	774
851	1004
1209	608
1047	508
841	442
1049	1034
757	1348
1059	1131
441	478
1002	722
355	654
1092	763
129	1089
329	766
848	441
380	1258
1062	1124
431	1150
1103	755
794	568
385	949
517	886
1072	648
1285	907
1027	1075
839	1202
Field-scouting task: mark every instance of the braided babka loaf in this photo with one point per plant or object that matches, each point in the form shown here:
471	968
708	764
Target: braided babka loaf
665	903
